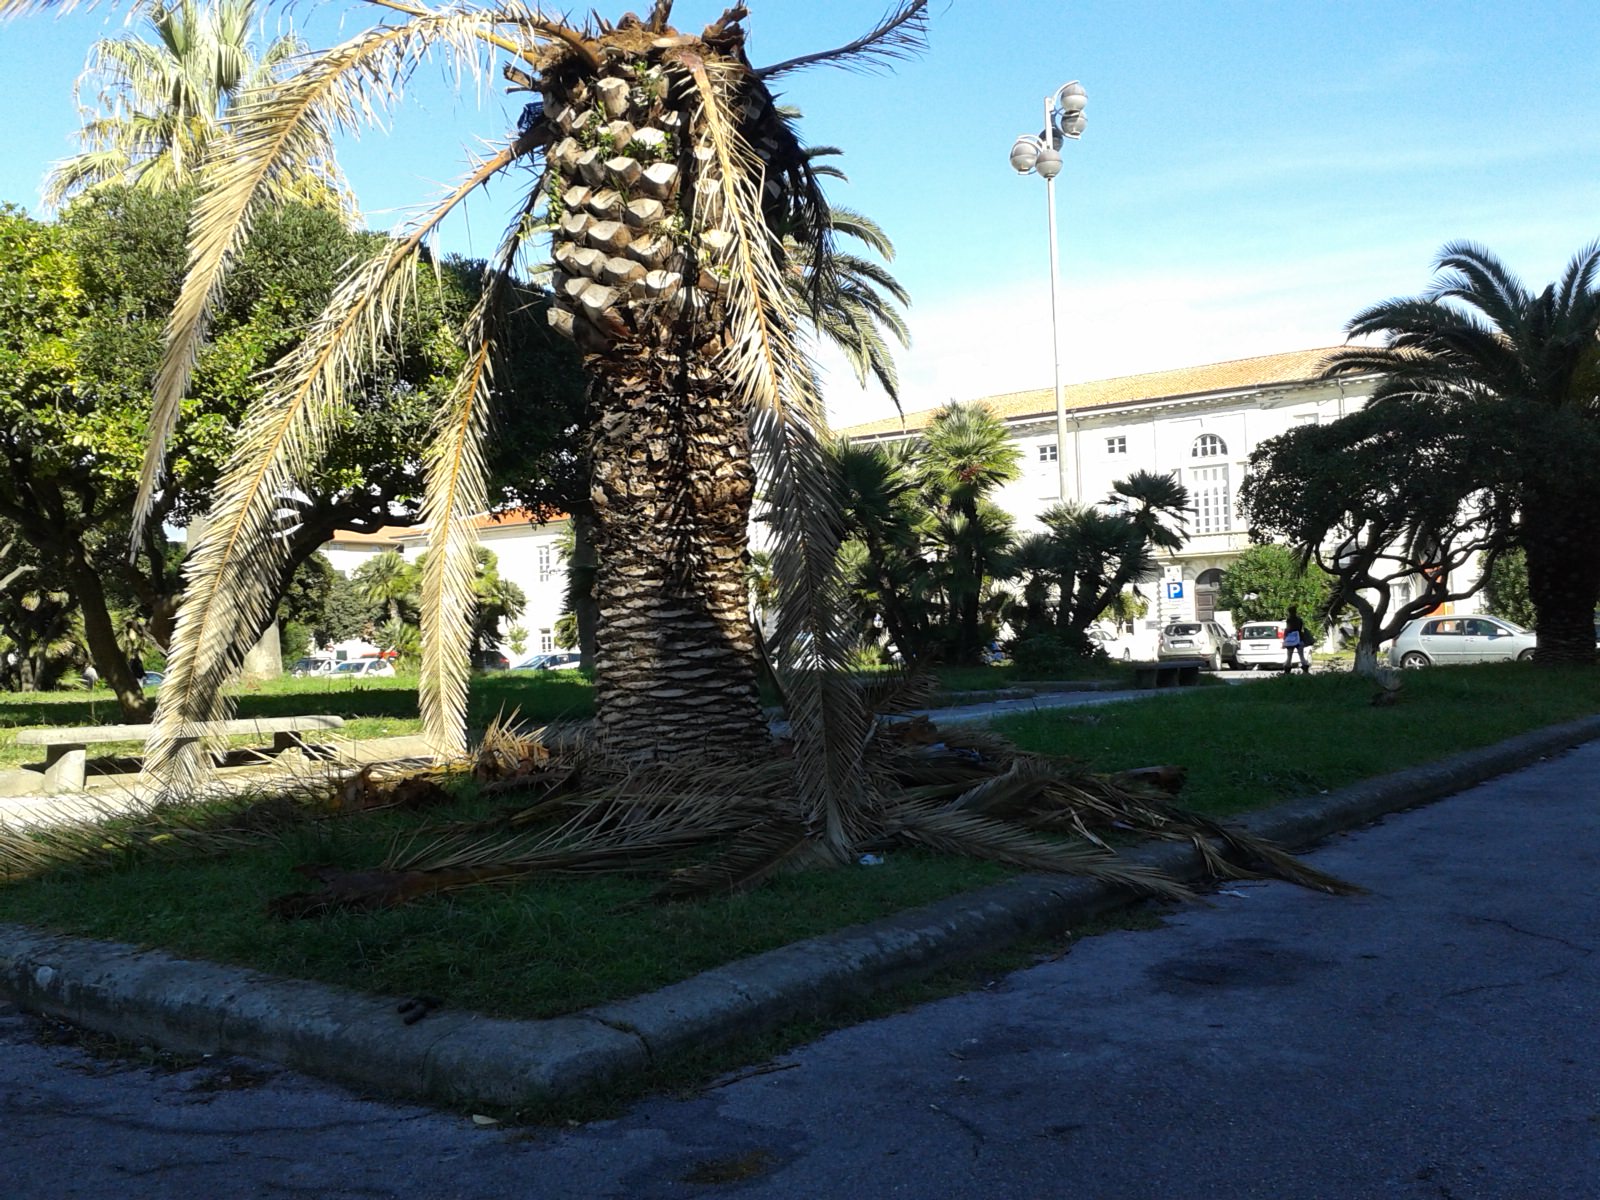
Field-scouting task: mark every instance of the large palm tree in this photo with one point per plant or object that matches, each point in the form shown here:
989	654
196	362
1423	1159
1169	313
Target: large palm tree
1478	341
162	103
662	173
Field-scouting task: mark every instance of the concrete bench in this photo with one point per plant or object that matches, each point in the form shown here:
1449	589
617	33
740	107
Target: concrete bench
1174	672
66	750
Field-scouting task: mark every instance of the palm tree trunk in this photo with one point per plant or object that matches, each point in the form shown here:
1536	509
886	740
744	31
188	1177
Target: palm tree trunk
672	485
1563	580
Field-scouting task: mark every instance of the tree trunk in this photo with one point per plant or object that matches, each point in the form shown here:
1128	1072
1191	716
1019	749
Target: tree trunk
585	611
672	485
101	635
671	480
1563	581
1366	659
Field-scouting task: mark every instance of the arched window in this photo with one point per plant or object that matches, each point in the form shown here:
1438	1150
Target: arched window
1208	445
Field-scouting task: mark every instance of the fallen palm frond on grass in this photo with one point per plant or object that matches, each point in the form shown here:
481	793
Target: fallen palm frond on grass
566	808
722	826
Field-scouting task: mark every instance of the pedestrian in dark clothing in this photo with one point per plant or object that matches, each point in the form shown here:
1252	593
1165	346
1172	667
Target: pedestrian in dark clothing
1295	638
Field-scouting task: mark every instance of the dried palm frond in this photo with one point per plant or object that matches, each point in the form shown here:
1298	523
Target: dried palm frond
341	90
230	578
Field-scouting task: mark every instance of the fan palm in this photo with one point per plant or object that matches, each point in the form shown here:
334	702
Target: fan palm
968	454
387	580
1478	341
163	104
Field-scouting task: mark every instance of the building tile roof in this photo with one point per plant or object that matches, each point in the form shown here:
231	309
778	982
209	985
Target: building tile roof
1295	366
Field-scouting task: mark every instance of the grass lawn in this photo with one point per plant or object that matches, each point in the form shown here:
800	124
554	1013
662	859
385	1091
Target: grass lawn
388	707
555	945
1251	744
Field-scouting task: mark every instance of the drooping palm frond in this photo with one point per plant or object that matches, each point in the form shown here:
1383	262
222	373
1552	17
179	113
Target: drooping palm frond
455	493
229	579
901	34
274	128
772	373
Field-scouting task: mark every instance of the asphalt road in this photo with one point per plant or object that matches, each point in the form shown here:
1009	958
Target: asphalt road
1435	1038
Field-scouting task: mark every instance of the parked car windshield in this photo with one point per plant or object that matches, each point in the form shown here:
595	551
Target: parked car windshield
351	668
1182	629
1259	631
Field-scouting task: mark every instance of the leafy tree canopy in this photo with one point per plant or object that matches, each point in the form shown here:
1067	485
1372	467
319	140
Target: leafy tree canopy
1266	579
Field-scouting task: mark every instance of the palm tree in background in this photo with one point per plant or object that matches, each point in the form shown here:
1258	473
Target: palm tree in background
968	454
1477	341
852	301
387	579
162	105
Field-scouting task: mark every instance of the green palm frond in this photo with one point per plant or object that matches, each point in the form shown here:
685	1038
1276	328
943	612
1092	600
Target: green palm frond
900	35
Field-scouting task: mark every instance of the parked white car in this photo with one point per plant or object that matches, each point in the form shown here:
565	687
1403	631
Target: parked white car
364	668
1444	641
1261	645
1117	644
551	660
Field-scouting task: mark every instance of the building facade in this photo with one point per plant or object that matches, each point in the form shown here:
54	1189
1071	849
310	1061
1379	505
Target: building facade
1198	424
528	554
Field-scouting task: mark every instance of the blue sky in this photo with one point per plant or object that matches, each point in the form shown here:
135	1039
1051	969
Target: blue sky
1252	173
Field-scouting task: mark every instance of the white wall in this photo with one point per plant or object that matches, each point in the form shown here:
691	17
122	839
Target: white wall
518	546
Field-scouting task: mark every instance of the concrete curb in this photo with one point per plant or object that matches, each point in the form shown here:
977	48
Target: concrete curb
462	1058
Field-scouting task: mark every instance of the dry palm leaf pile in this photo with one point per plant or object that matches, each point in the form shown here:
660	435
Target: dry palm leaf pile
703	829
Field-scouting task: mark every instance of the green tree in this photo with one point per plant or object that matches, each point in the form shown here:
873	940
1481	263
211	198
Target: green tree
1480	347
1387	500
162	105
84	301
1263	582
1505	588
387	579
1088	559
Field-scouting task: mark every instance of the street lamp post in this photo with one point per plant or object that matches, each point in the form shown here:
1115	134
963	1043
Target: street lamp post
1063	118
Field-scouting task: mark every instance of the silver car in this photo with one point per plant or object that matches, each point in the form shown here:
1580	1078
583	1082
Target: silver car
1441	641
1199	639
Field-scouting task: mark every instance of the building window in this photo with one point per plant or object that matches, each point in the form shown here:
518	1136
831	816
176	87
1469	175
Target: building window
1047	452
547	639
1116	445
1208	492
544	566
1208	445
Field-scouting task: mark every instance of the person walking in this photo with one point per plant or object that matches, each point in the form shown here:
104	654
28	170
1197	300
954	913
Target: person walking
1295	638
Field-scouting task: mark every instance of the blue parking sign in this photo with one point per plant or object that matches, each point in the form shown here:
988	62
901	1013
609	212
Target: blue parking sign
1175	589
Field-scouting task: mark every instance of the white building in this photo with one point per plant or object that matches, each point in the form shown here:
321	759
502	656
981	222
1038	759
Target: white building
528	555
1199	424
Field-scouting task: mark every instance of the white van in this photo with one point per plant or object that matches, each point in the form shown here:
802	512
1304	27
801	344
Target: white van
1261	644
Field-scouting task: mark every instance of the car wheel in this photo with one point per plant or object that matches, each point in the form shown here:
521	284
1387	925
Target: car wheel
1525	656
1127	655
1415	659
1216	660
